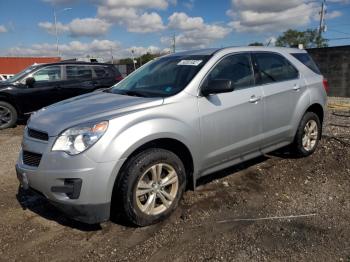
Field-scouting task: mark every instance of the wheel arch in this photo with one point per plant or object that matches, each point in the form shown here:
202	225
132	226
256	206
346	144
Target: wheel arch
171	144
318	110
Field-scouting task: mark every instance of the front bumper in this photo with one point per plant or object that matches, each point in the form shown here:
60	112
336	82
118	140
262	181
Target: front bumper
77	185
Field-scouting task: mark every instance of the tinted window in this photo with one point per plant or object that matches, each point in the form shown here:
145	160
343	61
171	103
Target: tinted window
102	71
236	68
307	60
274	68
50	73
78	72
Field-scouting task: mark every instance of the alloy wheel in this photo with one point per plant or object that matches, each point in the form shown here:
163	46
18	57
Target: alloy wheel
310	135
156	189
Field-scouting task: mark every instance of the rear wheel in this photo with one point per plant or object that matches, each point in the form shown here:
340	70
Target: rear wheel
308	134
8	115
152	184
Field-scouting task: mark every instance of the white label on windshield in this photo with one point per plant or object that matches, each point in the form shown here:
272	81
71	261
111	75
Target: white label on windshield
190	62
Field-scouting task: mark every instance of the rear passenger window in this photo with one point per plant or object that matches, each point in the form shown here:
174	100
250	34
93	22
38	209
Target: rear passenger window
236	68
78	72
275	68
102	72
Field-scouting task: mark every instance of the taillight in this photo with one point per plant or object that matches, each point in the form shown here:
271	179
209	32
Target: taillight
118	78
325	85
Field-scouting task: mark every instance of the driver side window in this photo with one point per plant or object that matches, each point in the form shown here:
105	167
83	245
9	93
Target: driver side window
50	73
236	68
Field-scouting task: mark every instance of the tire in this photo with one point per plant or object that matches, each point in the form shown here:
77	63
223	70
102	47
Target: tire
306	143
8	115
137	177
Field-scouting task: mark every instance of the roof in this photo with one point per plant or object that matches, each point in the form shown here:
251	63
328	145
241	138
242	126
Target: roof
13	65
211	51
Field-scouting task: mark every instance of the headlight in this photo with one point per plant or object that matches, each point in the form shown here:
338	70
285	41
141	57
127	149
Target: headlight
79	138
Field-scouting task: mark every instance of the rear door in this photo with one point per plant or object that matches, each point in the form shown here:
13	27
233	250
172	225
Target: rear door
78	81
282	87
104	76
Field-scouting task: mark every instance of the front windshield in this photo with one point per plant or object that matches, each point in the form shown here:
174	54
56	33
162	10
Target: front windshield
19	75
162	77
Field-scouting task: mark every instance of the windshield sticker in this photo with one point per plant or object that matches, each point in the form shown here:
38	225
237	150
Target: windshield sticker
190	62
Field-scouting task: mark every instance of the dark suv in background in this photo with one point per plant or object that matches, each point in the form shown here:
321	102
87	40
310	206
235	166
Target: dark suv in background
41	85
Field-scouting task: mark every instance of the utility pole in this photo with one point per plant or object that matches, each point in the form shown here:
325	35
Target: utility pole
56	31
55	17
322	27
112	62
174	43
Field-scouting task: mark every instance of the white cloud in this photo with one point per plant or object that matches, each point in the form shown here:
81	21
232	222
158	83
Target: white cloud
195	33
3	29
189	4
146	4
333	14
270	15
96	48
60	2
184	22
50	27
132	19
79	27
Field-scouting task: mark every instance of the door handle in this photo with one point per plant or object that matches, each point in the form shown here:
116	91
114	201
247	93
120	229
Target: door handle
296	88
254	99
58	87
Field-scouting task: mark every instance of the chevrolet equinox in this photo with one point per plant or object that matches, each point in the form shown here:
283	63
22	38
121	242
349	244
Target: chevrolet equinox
133	149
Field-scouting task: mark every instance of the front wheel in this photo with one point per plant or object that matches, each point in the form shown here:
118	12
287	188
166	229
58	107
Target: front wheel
308	134
8	115
152	184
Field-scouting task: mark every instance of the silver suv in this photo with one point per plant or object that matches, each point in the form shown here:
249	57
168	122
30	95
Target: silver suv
134	148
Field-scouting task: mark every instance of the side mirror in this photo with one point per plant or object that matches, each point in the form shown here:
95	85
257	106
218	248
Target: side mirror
218	86
30	81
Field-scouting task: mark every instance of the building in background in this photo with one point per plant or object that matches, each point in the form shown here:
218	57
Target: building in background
10	66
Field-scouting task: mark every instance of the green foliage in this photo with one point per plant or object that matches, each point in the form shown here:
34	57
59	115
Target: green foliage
309	39
139	60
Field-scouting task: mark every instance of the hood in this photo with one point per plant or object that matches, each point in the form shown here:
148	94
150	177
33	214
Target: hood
96	106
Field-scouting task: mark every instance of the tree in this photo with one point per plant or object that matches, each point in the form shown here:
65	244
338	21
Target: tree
256	44
309	38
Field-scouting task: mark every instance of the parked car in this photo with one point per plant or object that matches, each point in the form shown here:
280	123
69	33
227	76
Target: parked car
134	148
41	85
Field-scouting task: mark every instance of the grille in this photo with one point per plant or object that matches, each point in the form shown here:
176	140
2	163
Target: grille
38	135
31	159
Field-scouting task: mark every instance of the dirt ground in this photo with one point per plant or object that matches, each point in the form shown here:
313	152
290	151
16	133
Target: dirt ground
208	225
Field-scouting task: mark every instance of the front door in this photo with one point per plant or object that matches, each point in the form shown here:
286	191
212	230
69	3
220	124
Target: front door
231	123
44	91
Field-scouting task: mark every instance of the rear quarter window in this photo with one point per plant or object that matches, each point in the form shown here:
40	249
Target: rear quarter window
307	61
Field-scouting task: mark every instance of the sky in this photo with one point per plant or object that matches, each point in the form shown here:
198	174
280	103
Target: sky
105	28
